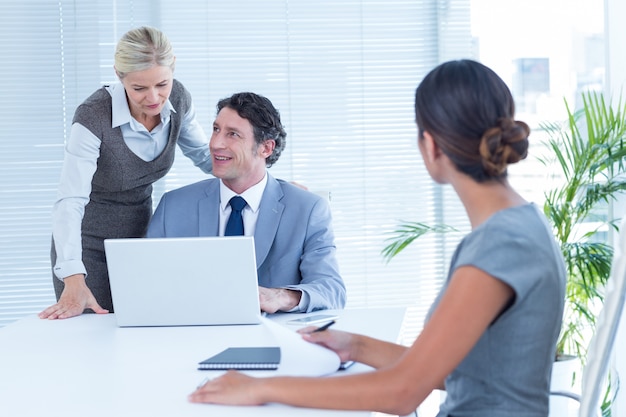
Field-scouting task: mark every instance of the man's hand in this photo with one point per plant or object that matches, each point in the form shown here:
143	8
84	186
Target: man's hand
76	297
278	299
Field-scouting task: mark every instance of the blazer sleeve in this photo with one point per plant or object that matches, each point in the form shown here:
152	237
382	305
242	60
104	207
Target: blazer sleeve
319	269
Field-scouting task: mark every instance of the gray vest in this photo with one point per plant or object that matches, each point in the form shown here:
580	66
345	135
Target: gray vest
120	203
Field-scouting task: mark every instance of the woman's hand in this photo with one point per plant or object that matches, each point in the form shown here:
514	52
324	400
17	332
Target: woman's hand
232	388
76	297
342	343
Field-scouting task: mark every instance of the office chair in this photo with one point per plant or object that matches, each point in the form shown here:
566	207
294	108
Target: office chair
601	344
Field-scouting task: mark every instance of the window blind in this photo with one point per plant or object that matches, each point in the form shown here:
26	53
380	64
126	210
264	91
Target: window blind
30	150
342	74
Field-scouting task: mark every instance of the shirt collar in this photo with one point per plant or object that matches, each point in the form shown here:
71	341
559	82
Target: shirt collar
252	195
120	110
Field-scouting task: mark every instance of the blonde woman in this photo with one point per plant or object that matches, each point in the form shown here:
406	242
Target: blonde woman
122	140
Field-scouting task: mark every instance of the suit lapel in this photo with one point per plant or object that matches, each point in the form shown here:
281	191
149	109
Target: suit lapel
270	212
209	210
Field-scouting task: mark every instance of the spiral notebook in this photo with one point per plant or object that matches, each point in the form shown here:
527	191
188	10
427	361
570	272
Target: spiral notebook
243	358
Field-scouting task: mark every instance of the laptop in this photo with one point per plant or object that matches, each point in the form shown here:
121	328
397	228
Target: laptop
191	281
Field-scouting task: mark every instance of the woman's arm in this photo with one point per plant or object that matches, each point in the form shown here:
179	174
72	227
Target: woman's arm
194	142
80	162
79	166
471	302
353	347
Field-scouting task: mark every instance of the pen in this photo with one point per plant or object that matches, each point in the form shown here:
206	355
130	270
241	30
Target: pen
324	327
204	381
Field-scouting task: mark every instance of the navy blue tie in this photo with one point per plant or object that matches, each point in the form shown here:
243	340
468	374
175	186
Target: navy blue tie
234	227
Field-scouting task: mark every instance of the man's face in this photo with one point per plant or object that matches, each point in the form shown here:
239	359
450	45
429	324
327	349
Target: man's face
237	159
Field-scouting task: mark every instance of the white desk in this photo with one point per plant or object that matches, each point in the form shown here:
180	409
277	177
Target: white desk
87	366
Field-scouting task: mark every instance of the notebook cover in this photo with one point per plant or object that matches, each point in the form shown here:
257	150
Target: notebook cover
243	358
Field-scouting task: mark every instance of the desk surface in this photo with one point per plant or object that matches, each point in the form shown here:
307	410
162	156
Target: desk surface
88	366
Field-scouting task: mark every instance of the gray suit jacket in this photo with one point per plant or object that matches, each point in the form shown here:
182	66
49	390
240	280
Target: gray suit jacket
293	238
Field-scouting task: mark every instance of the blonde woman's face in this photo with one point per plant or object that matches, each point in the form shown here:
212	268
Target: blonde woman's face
148	90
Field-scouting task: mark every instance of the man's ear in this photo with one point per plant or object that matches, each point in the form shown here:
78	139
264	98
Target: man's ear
267	147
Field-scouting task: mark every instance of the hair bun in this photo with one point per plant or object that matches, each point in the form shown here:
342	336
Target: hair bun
504	144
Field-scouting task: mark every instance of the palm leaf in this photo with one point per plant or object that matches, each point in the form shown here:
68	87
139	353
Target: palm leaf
406	233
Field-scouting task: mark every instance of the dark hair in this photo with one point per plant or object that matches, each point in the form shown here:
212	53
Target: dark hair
263	117
469	111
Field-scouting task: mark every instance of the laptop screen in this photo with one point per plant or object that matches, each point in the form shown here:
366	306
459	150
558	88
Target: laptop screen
183	281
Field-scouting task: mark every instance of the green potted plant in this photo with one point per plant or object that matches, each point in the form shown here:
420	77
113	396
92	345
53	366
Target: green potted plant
586	154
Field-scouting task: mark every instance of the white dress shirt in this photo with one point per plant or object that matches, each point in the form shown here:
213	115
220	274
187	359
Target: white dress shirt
250	213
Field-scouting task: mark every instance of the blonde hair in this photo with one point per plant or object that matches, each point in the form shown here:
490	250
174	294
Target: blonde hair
141	49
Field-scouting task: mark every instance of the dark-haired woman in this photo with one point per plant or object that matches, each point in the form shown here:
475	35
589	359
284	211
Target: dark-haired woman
490	336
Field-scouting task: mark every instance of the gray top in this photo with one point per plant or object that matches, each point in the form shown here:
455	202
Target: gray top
507	373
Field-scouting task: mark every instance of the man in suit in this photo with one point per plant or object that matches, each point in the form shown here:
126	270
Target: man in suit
294	240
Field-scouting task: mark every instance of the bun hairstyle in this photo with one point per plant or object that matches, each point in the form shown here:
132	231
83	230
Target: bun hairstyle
469	111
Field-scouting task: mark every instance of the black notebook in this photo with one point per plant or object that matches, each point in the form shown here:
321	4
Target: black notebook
243	358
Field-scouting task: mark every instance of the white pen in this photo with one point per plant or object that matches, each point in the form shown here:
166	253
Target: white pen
204	381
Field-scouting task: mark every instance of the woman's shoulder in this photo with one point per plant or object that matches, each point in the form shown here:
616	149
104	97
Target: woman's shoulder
178	87
518	247
523	219
179	95
94	109
299	193
522	228
98	98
